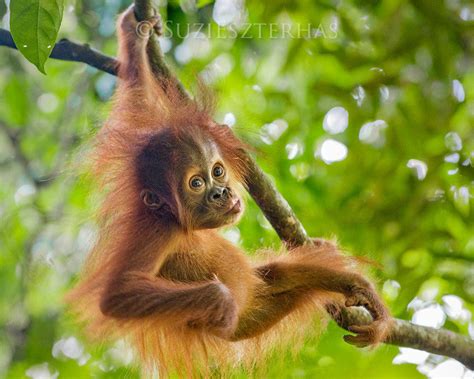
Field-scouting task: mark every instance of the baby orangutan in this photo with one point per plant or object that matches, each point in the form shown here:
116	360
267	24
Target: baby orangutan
160	274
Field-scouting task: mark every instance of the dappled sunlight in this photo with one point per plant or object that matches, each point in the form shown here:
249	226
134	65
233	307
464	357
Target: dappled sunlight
232	234
435	315
220	67
48	102
373	133
294	149
300	171
449	369
391	289
229	119
70	348
454	308
41	371
453	141
195	45
458	91
419	168
413	356
24	192
384	93
432	315
227	12
358	94
271	132
336	120
331	151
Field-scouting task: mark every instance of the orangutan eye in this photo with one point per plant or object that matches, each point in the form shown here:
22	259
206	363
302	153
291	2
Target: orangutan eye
218	171
196	182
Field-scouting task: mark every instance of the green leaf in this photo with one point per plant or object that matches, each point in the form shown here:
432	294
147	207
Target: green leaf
34	25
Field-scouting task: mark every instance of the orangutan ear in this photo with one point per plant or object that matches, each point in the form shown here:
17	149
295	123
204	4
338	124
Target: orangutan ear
151	199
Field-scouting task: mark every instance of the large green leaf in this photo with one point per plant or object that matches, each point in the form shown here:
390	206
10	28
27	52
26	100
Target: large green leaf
34	25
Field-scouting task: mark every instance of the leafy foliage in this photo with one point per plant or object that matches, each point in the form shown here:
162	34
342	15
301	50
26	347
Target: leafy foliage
34	26
389	172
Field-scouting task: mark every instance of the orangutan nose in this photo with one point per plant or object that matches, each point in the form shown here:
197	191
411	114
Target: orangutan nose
218	193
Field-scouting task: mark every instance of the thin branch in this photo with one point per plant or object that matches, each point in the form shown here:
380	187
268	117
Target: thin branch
143	11
66	50
275	208
406	334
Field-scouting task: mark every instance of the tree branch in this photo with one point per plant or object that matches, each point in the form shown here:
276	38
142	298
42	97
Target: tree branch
143	11
406	334
66	50
275	208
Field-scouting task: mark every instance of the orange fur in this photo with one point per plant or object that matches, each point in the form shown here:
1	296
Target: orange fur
187	299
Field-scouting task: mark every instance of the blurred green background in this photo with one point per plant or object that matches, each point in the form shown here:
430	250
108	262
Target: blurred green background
361	111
